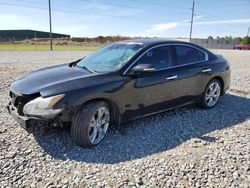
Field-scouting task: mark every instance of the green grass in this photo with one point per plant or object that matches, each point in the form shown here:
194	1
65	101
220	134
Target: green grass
32	47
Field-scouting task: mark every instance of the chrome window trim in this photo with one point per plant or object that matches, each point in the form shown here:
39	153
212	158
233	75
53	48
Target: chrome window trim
171	44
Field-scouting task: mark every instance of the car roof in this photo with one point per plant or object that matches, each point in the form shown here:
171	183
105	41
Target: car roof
148	43
152	42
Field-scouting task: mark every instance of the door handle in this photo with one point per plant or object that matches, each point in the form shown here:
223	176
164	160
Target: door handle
207	70
172	77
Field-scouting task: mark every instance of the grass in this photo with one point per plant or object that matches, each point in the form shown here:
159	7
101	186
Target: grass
32	47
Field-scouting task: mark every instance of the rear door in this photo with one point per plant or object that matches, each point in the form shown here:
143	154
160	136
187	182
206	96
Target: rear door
194	71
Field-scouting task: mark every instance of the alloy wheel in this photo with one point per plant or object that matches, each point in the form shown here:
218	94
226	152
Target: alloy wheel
212	94
99	125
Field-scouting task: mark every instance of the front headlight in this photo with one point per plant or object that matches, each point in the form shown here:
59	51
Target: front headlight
42	106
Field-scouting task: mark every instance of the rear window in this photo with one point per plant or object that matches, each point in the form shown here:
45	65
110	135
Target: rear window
187	54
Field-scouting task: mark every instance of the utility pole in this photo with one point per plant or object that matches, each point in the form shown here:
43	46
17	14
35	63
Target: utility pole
192	19
248	31
50	27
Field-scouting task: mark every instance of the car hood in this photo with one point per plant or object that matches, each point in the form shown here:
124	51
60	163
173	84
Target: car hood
55	80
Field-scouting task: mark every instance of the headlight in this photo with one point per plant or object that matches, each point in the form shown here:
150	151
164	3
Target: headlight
42	106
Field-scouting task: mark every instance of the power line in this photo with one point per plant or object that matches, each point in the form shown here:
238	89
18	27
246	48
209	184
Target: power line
127	6
234	3
61	10
79	12
216	17
29	1
134	7
109	3
159	4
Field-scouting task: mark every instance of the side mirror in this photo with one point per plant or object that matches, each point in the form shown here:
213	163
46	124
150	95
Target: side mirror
143	68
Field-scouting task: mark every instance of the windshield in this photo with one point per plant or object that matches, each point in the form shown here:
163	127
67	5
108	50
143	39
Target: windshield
111	57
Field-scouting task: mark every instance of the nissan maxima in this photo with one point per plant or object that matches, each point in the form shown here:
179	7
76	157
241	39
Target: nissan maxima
120	82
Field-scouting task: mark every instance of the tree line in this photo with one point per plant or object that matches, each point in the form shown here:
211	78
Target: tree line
241	40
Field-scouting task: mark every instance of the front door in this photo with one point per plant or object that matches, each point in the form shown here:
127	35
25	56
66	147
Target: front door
153	91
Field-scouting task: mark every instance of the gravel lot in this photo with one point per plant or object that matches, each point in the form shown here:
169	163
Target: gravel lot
187	147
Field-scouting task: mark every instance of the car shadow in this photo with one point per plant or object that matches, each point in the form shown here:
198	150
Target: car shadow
150	135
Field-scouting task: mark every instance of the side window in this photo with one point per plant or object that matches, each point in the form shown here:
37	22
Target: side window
160	57
186	54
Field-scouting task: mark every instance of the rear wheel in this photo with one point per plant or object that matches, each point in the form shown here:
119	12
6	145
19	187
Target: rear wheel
90	124
211	94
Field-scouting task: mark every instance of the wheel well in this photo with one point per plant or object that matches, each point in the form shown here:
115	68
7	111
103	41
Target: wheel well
221	82
115	113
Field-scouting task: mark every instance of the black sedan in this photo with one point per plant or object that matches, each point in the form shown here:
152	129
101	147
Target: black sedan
120	82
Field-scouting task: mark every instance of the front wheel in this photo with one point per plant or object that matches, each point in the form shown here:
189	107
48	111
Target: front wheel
90	124
211	94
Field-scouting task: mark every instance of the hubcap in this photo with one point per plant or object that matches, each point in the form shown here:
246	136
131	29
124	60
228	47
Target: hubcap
213	94
99	125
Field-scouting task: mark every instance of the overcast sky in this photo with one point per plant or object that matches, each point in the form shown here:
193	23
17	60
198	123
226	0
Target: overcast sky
161	18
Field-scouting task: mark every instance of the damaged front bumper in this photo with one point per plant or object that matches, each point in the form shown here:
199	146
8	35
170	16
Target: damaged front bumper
30	124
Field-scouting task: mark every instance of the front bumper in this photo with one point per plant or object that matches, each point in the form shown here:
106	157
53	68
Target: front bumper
30	124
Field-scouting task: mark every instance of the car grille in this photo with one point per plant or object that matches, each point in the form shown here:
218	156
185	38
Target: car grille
18	101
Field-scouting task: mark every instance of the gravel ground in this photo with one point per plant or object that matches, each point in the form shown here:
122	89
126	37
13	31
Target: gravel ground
187	147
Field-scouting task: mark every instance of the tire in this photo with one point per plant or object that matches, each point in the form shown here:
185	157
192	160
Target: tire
89	125
206	101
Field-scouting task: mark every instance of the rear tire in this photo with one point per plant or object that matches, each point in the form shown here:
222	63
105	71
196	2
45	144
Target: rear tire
212	94
90	124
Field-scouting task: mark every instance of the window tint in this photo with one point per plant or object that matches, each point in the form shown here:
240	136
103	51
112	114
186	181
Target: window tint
160	58
186	54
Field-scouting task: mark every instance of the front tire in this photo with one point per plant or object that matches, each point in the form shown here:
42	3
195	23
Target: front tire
90	124
211	94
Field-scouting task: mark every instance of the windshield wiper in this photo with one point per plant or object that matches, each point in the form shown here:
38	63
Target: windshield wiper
88	69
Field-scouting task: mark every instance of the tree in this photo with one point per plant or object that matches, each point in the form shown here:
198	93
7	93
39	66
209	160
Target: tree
228	38
101	39
239	39
210	38
246	40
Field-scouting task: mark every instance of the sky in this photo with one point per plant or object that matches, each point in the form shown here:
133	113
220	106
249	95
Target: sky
140	18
